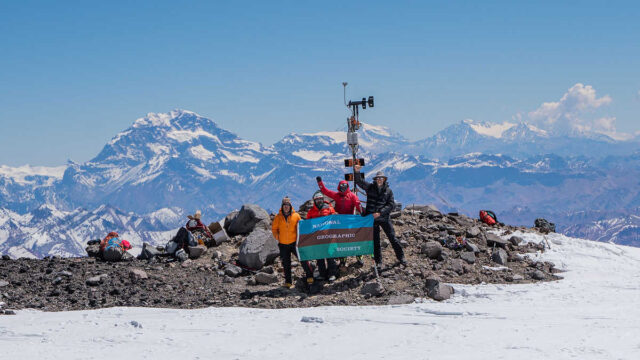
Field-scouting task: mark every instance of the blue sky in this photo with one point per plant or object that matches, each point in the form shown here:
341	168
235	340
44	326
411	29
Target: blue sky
73	74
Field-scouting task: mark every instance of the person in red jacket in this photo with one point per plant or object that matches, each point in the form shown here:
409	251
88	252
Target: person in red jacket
347	203
199	230
326	267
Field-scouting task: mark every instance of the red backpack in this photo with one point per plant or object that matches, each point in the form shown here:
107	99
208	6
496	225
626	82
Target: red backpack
488	217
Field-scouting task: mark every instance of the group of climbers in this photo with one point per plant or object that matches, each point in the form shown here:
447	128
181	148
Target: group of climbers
380	204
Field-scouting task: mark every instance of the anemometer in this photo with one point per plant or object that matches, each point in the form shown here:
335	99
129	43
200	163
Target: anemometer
353	125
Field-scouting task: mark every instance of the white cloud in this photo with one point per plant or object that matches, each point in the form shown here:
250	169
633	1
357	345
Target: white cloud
573	114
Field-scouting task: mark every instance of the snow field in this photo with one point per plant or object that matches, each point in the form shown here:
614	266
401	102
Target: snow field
591	314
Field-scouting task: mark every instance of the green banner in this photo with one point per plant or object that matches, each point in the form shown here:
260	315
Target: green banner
335	236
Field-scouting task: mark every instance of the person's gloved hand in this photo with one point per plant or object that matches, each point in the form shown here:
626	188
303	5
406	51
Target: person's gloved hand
318	179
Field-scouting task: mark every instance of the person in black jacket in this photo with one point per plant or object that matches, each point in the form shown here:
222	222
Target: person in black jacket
380	203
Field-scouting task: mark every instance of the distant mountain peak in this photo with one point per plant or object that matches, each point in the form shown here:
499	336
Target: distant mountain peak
164	119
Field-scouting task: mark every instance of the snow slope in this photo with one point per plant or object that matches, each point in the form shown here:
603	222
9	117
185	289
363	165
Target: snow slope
591	314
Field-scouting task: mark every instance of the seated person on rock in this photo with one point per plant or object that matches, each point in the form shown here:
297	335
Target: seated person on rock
198	229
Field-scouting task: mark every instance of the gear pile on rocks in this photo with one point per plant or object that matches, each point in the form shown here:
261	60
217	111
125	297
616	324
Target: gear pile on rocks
440	249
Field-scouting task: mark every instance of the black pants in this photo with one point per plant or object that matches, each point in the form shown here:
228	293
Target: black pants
386	226
327	267
285	257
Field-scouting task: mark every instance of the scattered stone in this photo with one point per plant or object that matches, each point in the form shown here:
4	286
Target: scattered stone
473	232
398	222
495	239
9	312
395	215
216	255
6	257
432	249
472	247
56	281
311	319
135	324
148	252
372	288
227	279
457	266
518	277
515	240
538	275
499	256
232	270
264	278
65	273
401	299
468	256
267	269
4	283
138	274
196	251
96	280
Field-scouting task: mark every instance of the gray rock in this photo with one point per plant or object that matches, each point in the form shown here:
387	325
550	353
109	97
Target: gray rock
227	279
138	274
395	215
457	266
437	290
216	255
136	324
544	225
401	299
372	288
264	278
56	281
6	257
517	277
311	319
64	273
196	251
398	222
232	270
432	249
473	231
93	250
472	247
267	269
538	275
148	252
499	256
258	249
515	240
468	256
495	239
4	283
9	312
228	220
96	280
247	219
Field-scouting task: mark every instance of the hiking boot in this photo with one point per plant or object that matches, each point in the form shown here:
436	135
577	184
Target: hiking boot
402	262
288	285
332	278
379	267
310	281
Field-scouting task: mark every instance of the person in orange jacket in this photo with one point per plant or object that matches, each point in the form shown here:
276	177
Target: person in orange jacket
285	230
327	267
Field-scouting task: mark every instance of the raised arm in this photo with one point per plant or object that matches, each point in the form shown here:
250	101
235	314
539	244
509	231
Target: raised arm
332	194
359	181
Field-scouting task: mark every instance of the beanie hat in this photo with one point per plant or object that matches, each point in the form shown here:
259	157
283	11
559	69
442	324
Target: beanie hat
318	195
285	200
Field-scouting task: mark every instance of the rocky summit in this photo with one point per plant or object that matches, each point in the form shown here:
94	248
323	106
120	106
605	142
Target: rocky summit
441	249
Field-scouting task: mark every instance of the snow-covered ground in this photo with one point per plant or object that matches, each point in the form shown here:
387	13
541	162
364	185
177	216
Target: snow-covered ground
592	313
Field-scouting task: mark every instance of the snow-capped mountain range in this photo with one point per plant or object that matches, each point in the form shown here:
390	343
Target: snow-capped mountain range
148	177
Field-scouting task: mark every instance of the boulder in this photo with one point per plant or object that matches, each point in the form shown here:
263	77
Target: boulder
93	250
493	239
4	283
473	231
437	290
228	220
258	249
148	252
395	215
312	319
372	288
432	249
499	256
264	278
544	225
248	217
468	256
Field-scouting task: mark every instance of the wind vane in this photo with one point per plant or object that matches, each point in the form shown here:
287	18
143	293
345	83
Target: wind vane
353	125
